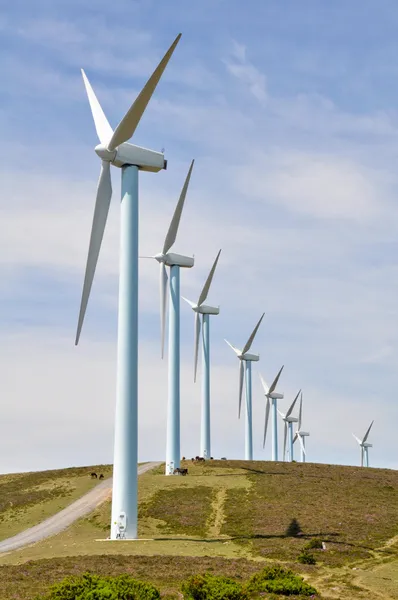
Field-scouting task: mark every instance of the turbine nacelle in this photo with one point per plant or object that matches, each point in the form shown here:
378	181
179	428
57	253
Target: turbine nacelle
249	357
303	433
275	396
205	309
171	259
129	154
367	445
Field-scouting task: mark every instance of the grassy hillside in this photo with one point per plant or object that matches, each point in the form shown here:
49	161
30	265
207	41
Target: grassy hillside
238	511
28	498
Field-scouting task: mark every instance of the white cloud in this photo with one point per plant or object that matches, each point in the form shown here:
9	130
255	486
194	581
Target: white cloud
240	67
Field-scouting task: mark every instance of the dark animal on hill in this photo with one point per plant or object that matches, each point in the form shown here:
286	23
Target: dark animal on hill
101	476
93	475
178	471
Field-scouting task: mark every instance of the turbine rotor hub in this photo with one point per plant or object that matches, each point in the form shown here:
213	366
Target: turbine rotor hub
105	154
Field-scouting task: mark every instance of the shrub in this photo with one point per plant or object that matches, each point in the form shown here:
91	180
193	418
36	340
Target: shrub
94	587
211	587
315	543
306	558
279	581
294	529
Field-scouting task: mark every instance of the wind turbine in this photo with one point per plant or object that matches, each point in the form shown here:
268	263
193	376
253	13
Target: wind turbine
272	397
289	420
245	373
205	310
175	262
114	149
301	435
364	445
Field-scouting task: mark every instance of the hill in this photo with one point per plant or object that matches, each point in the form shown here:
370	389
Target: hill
232	516
28	498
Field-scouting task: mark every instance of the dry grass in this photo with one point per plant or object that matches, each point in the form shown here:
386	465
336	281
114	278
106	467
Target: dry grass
225	512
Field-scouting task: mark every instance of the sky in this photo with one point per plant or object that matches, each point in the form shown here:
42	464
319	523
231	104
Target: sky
290	111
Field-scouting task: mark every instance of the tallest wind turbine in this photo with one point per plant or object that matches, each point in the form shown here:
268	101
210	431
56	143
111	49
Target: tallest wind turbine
114	149
245	373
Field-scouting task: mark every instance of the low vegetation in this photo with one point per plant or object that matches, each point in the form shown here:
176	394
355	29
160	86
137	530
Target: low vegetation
28	498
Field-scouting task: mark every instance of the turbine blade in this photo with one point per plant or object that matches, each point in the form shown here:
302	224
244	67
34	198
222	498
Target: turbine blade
241	379
253	335
264	384
163	305
367	433
296	435
129	123
233	347
300	412
175	221
357	439
191	304
206	287
289	412
274	383
302	445
102	127
267	408
197	337
284	441
104	195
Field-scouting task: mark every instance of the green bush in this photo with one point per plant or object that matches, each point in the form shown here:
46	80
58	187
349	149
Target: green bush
306	558
281	581
315	543
211	587
94	587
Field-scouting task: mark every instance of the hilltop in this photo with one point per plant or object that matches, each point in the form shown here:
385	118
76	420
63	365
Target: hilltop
232	516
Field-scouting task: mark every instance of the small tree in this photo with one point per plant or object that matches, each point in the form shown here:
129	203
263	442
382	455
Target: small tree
294	529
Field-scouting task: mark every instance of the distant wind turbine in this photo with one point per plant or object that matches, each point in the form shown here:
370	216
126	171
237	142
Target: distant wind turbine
205	310
175	262
364	445
289	420
245	374
272	397
301	435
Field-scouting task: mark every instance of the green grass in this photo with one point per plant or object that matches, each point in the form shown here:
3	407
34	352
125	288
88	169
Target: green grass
28	498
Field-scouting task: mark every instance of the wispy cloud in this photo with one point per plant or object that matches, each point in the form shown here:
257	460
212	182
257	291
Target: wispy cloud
240	67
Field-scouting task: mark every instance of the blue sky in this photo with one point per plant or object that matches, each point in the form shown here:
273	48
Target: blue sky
290	112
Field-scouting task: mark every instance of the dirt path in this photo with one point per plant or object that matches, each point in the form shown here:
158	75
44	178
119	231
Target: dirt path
217	516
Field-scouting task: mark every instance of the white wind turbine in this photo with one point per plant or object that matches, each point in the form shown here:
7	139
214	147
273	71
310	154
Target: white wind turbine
204	310
364	445
165	259
245	373
272	397
116	150
289	420
301	435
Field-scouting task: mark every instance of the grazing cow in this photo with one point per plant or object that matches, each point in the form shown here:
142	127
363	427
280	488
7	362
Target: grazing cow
178	471
184	471
211	458
183	458
101	476
93	475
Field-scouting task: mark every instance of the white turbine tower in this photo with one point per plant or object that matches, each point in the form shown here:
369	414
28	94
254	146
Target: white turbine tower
245	373
364	445
272	397
289	420
165	259
301	435
114	149
204	310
